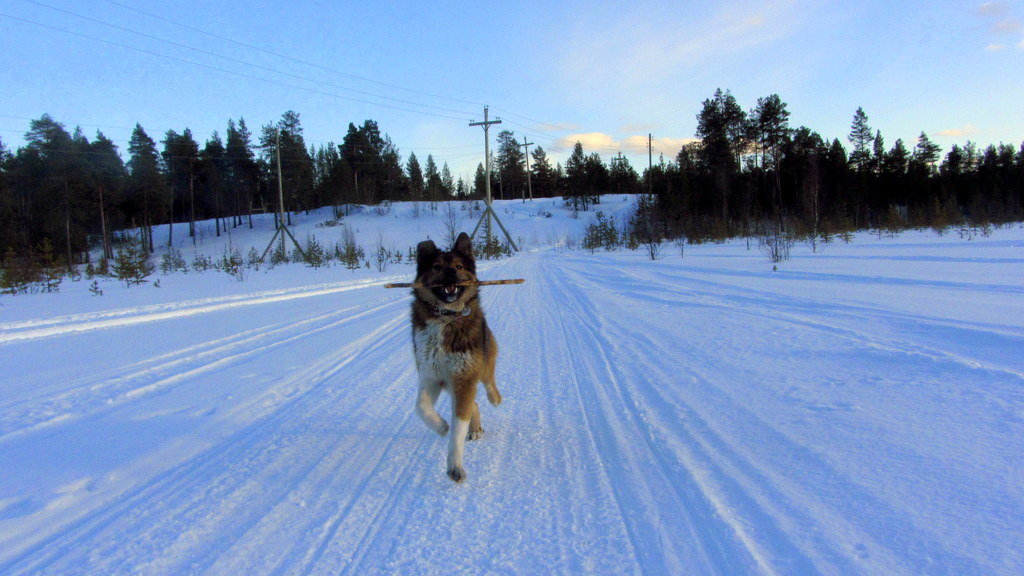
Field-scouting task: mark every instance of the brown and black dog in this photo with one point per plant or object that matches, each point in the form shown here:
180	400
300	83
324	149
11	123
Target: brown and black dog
453	346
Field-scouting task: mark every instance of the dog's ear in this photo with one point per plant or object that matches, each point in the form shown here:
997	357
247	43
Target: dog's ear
426	252
464	246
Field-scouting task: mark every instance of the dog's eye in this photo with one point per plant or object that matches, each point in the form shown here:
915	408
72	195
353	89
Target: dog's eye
437	266
458	266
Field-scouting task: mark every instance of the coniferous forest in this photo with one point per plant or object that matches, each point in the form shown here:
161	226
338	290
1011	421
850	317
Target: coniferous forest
64	196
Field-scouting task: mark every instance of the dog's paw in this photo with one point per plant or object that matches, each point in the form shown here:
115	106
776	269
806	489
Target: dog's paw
442	430
495	398
457	474
475	434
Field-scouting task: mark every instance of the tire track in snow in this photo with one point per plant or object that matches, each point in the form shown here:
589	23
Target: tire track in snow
785	513
44	328
194	474
150	376
783	310
535	467
713	542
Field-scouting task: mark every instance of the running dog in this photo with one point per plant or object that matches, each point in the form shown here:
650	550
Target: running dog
453	346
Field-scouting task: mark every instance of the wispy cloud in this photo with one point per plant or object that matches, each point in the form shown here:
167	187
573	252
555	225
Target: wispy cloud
1000	21
640	48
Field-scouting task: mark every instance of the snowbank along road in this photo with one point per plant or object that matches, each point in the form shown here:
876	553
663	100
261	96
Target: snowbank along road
855	413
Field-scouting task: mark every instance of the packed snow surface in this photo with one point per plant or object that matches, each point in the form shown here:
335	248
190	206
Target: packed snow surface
860	410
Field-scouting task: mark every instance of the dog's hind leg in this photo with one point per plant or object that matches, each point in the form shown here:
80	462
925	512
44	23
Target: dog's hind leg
476	430
429	391
490	383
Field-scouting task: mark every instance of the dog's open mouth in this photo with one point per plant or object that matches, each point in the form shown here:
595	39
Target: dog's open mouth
448	293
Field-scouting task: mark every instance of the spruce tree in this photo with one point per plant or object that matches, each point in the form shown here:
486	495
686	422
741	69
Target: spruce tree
415	175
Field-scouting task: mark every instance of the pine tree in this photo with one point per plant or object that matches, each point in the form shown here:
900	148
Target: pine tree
862	140
926	153
181	159
544	180
242	170
511	165
213	184
722	129
148	193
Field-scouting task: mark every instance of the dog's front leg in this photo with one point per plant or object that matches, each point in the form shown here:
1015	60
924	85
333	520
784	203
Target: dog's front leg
429	391
463	401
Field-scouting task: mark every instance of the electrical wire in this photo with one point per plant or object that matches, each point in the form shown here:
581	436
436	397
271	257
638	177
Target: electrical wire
289	58
240	61
233	72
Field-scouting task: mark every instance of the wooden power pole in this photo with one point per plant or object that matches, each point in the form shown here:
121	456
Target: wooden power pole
650	164
488	211
529	185
282	228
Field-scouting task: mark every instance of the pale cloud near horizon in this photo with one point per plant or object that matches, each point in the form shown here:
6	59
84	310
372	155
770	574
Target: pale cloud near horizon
966	130
607	145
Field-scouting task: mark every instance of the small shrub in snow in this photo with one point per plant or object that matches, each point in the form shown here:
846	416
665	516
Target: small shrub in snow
330	223
775	244
601	233
231	263
202	263
254	258
132	264
348	252
382	259
279	255
172	261
51	273
451	224
315	255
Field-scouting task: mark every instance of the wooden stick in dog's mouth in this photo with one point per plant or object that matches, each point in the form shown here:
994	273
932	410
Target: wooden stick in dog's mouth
470	283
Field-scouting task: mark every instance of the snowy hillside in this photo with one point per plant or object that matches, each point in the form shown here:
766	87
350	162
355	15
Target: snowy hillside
858	411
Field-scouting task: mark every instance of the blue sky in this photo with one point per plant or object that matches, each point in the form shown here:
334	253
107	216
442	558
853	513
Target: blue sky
555	72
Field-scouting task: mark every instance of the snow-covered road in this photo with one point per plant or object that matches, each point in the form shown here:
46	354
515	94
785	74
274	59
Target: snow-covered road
681	417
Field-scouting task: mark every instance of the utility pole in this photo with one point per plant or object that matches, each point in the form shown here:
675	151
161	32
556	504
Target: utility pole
488	211
526	146
282	228
650	164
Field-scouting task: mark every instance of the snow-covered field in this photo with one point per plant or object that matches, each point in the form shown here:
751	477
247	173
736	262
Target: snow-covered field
858	411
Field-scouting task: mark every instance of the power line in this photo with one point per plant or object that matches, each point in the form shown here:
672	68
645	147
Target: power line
215	68
289	58
240	61
528	129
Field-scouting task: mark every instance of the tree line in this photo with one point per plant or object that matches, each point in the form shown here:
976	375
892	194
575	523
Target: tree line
76	192
750	170
747	170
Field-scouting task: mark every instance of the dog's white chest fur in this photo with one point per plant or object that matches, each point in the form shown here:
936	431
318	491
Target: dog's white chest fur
432	360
